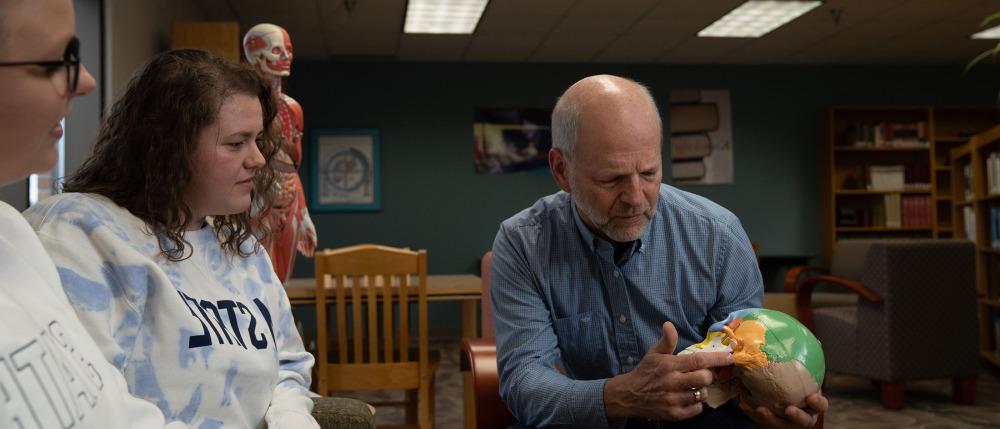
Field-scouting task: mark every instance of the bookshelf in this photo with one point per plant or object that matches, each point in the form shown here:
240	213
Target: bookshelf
953	126
978	219
909	145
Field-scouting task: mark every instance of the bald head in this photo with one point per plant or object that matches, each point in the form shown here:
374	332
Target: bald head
602	102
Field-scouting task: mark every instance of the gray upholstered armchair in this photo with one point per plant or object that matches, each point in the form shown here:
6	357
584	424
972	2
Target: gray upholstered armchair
915	318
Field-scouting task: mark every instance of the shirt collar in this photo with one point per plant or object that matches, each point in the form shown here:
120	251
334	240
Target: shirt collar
589	237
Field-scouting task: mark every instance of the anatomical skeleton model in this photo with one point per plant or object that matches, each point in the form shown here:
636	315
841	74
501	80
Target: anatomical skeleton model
268	48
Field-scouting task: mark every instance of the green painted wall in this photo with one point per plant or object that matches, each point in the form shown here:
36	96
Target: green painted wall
432	199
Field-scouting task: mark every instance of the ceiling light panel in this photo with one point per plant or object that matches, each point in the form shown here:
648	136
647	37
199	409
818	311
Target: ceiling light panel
443	16
756	18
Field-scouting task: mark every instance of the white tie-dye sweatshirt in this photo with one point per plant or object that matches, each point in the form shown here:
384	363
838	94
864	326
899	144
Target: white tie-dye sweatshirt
52	374
210	339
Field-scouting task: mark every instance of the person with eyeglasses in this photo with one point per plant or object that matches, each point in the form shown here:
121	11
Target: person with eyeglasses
52	373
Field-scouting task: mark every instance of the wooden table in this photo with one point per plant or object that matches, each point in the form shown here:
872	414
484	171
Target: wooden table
467	288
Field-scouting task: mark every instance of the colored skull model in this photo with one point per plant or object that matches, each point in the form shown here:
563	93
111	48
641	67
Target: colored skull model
778	362
268	48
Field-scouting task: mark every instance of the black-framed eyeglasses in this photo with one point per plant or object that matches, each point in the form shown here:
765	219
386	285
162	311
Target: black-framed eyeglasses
70	60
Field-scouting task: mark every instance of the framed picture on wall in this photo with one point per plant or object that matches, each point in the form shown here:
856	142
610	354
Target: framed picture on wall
345	170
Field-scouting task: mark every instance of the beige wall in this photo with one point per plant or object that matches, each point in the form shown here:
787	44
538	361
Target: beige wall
137	30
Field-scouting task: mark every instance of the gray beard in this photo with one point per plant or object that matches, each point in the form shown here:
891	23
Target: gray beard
603	223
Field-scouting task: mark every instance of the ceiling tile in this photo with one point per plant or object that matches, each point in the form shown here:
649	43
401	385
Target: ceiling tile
666	26
585	26
367	16
879	29
701	50
764	51
567	47
603	9
835	16
432	47
363	7
527	7
636	49
269	7
505	48
977	11
362	44
707	11
517	24
928	10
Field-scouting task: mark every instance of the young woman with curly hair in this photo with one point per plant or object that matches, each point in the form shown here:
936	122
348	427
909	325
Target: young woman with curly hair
156	251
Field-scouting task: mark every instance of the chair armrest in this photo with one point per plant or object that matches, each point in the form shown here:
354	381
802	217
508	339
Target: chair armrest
793	274
344	413
803	296
479	355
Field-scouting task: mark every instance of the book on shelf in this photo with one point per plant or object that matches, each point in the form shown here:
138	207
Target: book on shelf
888	135
849	216
995	227
993	277
893	212
969	220
967	182
886	177
878	214
917	186
916	211
996	333
993	173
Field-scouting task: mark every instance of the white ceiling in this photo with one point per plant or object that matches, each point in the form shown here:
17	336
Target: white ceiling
627	31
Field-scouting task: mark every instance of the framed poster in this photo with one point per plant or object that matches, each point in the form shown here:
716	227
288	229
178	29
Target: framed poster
701	137
345	170
510	140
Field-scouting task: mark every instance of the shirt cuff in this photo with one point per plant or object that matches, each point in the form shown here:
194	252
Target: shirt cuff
590	405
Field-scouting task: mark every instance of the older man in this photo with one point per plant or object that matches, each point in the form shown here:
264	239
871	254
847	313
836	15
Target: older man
612	275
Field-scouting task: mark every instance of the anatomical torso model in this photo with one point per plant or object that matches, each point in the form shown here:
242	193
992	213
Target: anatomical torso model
268	48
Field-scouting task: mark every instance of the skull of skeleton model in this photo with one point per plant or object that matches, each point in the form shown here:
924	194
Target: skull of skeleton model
268	48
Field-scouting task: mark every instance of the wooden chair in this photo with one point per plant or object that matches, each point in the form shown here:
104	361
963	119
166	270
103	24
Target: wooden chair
375	285
479	357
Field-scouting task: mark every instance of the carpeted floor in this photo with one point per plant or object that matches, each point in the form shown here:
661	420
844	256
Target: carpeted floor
854	402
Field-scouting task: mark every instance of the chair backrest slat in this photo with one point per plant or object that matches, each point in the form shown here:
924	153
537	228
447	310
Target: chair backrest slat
339	283
387	325
359	333
404	318
374	282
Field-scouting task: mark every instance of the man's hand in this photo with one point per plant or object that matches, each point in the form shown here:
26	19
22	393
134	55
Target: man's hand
795	417
662	386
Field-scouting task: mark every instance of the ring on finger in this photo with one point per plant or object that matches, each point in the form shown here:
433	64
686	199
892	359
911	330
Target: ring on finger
697	394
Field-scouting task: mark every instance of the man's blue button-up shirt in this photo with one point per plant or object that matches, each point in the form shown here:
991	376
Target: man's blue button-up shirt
558	294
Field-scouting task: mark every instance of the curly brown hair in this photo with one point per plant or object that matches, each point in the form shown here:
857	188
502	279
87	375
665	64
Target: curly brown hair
143	156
